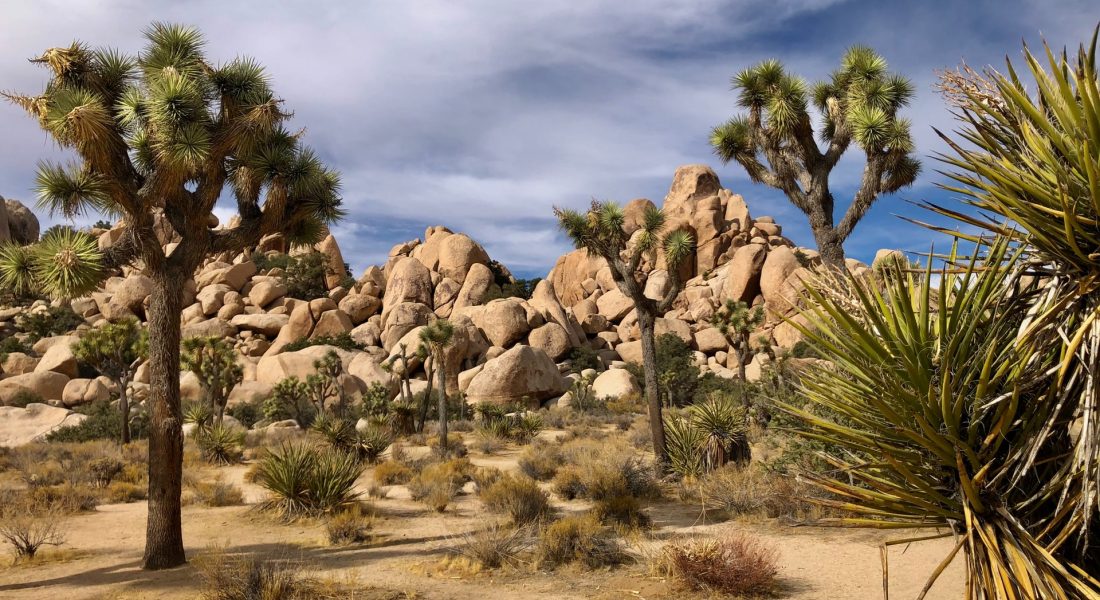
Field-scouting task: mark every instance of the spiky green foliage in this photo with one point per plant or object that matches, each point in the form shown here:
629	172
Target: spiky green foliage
115	349
600	231
942	418
214	361
324	384
305	480
708	435
16	268
737	320
220	444
858	103
289	399
64	264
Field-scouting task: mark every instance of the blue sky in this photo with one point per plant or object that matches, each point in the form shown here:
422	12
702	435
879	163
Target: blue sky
483	115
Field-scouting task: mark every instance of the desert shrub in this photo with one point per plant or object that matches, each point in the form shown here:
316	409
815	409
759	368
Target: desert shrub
438	483
626	404
247	413
12	344
461	425
597	471
372	442
583	397
568	483
55	320
24	397
349	526
488	441
122	492
736	564
305	480
625	511
304	275
541	461
582	358
216	493
220	444
104	469
579	539
456	444
392	472
248	578
485	477
64	498
519	497
339	433
27	529
199	414
341	340
493	546
102	422
707	436
677	375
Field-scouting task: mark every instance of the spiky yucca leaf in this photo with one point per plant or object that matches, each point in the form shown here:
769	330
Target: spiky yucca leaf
67	263
940	406
16	268
684	441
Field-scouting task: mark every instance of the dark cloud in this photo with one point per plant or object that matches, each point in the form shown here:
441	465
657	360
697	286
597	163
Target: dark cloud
483	115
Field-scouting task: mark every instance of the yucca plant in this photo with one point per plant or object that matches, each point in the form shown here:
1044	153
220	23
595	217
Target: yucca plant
940	403
159	136
707	435
372	442
684	441
339	433
332	482
220	443
600	231
307	481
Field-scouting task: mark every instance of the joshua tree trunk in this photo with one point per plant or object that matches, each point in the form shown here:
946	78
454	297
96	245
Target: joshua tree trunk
646	322
124	408
164	534
429	365
442	404
830	245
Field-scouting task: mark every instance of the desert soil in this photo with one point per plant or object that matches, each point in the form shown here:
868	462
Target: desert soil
405	558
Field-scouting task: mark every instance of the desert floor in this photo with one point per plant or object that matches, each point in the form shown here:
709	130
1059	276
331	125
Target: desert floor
406	556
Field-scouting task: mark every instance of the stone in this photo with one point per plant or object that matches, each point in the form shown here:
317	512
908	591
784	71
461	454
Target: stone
21	426
47	385
266	290
22	223
544	300
267	324
569	273
369	372
79	392
209	328
273	369
478	281
211	297
409	282
710	340
248	392
630	352
129	297
743	273
521	374
502	321
360	307
18	363
614	305
552	339
779	265
403	318
457	254
59	357
676	327
615	383
657	285
334	261
367	334
634	214
331	324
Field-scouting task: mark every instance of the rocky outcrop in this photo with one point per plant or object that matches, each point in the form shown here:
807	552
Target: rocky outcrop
32	424
520	375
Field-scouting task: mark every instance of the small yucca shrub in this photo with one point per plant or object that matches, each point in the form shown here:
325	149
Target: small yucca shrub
220	444
306	480
371	443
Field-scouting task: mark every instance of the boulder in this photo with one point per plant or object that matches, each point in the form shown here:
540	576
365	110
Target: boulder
743	273
299	326
478	281
552	339
22	224
614	305
59	358
360	307
209	328
79	392
521	374
710	340
634	214
331	324
674	326
21	426
569	274
457	254
334	261
273	369
778	266
18	363
615	383
267	324
368	371
630	352
129	297
502	321
47	385
248	392
403	318
409	282
266	290
211	297
544	300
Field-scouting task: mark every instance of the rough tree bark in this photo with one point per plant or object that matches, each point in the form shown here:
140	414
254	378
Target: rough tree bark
646	326
442	403
124	407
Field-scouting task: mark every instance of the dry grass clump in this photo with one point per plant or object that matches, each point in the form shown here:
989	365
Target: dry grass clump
494	546
541	460
519	497
735	564
349	526
599	471
579	539
123	492
65	498
735	491
438	483
392	472
227	577
485	477
28	527
456	445
621	511
214	493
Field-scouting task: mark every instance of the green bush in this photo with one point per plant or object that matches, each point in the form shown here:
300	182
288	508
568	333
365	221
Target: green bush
341	340
247	413
12	344
220	444
24	397
303	275
55	320
583	357
103	422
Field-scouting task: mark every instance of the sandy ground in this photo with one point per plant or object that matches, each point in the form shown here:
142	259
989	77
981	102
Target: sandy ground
103	552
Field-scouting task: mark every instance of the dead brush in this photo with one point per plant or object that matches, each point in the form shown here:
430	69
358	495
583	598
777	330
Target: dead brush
494	546
28	527
736	564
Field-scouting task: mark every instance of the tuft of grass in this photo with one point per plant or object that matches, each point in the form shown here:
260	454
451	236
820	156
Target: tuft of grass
541	460
226	577
519	497
392	472
351	525
216	493
579	539
438	483
735	564
493	546
621	511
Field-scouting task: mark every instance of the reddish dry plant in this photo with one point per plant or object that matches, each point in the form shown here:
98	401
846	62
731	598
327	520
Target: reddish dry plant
736	564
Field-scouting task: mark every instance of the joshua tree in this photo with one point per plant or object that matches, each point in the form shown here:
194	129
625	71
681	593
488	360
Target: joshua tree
859	103
325	383
289	397
437	336
736	320
214	361
115	350
158	137
600	232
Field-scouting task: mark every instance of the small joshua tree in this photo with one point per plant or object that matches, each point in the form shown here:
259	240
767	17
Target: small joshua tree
214	361
159	137
600	232
289	397
115	350
325	383
859	103
436	337
736	320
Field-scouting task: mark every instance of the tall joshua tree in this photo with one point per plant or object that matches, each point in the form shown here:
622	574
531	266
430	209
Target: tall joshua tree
115	350
214	361
859	103
159	136
600	232
436	337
